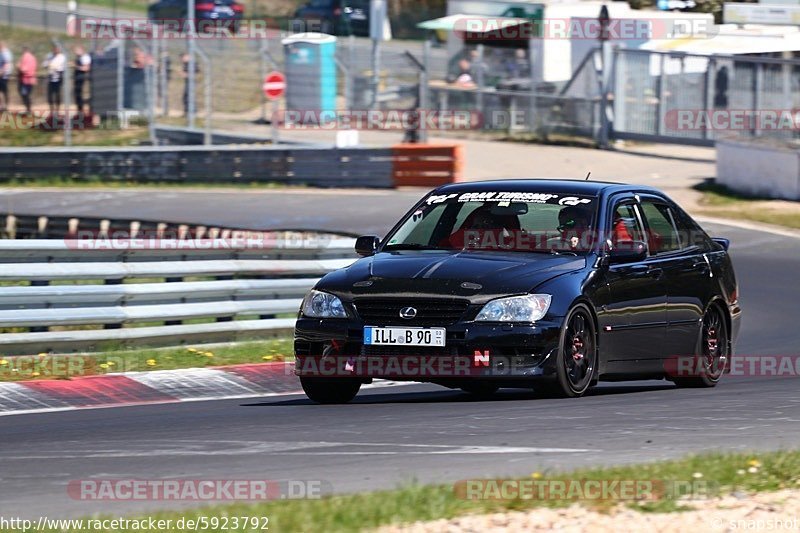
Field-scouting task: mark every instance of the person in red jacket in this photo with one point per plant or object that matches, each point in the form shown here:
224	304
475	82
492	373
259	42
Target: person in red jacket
26	68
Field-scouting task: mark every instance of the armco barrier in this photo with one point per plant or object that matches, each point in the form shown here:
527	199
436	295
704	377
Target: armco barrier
402	165
238	291
426	165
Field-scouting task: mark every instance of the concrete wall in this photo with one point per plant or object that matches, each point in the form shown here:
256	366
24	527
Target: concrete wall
760	168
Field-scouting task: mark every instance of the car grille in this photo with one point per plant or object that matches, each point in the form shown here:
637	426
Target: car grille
430	312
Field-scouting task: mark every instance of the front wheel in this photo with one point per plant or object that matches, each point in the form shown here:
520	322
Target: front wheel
714	350
577	356
330	390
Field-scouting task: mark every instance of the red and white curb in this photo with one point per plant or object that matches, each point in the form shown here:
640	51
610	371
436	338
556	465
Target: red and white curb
158	386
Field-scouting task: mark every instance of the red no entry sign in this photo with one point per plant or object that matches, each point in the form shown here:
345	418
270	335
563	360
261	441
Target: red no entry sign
274	85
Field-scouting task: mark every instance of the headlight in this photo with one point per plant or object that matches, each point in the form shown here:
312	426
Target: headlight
529	308
319	304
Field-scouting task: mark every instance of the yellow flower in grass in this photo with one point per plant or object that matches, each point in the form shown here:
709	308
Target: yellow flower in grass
43	354
104	365
754	463
193	350
151	362
208	354
267	358
536	475
35	374
3	362
111	363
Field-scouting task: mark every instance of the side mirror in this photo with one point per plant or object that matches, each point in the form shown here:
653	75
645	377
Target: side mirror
366	246
628	252
725	243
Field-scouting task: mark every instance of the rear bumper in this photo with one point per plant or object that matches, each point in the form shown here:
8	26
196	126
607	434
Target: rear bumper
334	348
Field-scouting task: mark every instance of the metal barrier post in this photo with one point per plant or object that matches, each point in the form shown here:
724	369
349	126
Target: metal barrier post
480	81
711	67
190	80
10	13
208	78
424	101
120	76
376	65
67	100
164	63
45	18
152	90
532	101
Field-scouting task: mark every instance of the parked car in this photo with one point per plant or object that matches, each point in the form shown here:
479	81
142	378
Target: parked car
334	17
548	284
210	15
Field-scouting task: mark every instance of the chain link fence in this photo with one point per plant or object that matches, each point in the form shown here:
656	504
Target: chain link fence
652	96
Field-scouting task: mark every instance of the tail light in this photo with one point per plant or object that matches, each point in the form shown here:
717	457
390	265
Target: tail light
238	8
337	12
204	7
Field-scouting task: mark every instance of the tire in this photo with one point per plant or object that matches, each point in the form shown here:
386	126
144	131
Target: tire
713	347
480	389
330	390
576	363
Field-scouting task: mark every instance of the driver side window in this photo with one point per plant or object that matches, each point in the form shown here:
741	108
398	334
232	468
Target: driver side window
625	225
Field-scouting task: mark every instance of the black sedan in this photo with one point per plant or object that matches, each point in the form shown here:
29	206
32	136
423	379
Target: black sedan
209	15
549	284
334	17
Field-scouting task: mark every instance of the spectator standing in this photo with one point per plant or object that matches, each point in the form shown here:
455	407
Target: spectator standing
185	75
83	67
6	67
55	64
26	69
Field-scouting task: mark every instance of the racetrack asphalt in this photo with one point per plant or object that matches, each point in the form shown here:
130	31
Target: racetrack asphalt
391	436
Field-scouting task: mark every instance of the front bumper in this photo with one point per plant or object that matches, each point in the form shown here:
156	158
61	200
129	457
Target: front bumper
474	350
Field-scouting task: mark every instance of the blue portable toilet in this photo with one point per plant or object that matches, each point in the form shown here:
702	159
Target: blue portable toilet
310	73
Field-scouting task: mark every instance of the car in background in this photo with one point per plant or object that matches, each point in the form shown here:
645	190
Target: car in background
334	17
548	284
209	15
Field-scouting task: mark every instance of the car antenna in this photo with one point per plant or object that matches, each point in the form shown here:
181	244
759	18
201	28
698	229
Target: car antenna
587	176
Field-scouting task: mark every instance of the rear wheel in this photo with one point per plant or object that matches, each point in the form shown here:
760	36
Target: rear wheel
330	390
713	352
577	356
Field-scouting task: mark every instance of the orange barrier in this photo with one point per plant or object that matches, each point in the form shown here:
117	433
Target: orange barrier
426	165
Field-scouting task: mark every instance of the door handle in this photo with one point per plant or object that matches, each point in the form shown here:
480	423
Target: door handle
656	273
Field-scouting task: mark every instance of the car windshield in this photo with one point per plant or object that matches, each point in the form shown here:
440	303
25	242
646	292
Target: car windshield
499	221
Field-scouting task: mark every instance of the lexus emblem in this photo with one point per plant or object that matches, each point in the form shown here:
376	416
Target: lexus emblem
408	313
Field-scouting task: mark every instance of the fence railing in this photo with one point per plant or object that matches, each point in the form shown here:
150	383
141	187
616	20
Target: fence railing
58	296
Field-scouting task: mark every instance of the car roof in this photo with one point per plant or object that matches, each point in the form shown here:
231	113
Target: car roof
546	185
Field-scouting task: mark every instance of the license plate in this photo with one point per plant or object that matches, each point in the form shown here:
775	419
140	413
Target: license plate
358	15
404	336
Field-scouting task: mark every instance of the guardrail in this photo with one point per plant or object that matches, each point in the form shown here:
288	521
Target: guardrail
62	296
306	165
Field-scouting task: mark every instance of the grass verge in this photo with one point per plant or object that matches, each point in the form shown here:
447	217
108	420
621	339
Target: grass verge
721	201
727	473
47	366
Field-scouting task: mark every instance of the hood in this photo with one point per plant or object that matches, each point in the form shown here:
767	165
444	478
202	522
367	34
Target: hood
479	276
